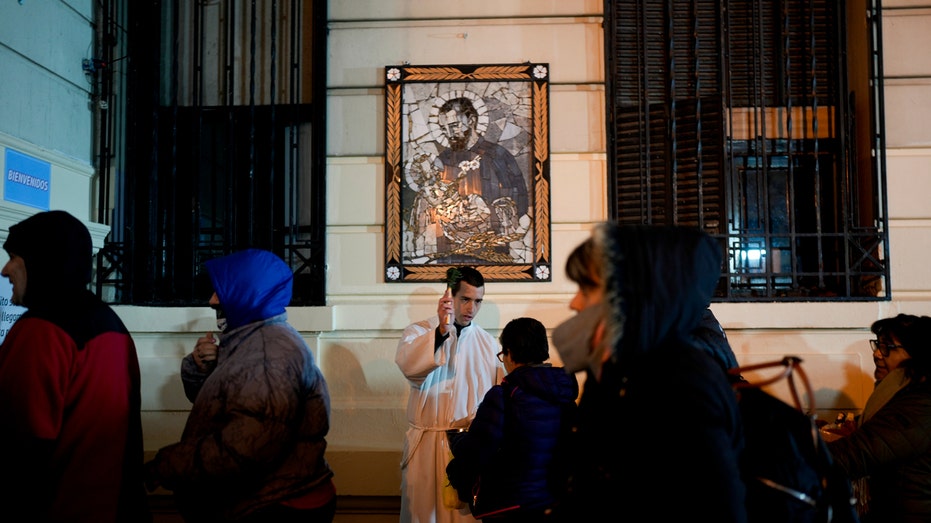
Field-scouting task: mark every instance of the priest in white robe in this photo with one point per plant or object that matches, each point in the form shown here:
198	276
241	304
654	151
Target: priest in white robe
450	365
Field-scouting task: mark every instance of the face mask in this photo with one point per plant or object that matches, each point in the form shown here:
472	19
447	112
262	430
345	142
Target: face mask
573	340
221	319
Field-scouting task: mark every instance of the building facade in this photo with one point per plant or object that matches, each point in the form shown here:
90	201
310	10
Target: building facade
46	105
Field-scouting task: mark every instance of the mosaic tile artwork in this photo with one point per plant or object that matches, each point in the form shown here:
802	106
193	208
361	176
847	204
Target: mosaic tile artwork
467	169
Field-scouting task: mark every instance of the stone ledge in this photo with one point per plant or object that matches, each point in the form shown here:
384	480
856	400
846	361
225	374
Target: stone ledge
164	504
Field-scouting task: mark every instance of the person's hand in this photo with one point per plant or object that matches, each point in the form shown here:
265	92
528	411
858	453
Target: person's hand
205	352
444	310
835	431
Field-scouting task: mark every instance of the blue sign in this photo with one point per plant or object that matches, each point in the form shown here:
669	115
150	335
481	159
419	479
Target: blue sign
27	180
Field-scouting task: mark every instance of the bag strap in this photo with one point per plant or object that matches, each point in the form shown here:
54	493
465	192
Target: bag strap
791	366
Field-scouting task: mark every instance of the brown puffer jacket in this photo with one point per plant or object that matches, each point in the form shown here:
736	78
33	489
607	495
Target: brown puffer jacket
256	434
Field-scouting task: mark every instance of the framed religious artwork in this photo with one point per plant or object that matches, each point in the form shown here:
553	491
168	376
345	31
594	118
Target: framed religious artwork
467	177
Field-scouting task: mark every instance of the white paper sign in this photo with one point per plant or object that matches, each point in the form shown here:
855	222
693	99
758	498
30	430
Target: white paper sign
9	313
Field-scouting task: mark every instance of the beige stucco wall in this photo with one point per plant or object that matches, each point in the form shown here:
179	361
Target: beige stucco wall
355	335
365	36
370	394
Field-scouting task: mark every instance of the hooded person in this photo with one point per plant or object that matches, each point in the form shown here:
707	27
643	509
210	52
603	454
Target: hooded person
69	385
254	442
659	427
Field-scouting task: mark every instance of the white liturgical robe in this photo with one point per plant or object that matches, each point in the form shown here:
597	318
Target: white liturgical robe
447	386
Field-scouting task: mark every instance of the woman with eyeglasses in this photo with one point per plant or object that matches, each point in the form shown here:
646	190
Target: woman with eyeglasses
888	453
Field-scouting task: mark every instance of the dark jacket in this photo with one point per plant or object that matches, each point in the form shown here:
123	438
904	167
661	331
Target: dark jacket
660	432
256	434
516	442
70	422
893	448
710	337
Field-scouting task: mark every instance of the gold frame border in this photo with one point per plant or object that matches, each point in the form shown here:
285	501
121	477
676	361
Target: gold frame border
396	76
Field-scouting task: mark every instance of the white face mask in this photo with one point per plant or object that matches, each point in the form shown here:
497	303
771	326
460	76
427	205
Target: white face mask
221	319
573	340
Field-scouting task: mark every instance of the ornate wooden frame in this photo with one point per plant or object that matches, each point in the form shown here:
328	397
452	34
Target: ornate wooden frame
453	196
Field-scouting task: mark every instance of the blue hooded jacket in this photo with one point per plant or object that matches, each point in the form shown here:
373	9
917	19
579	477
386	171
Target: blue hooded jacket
256	433
252	285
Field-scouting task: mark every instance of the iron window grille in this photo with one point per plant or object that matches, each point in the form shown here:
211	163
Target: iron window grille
210	140
760	122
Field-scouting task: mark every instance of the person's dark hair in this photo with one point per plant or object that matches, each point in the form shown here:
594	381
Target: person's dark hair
524	339
913	333
470	276
582	265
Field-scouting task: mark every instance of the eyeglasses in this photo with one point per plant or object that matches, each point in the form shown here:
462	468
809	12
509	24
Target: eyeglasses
500	356
884	348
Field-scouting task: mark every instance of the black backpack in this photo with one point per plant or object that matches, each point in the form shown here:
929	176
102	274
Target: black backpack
787	468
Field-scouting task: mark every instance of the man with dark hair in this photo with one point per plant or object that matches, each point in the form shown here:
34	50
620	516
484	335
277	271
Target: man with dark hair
496	173
516	448
488	177
70	423
449	366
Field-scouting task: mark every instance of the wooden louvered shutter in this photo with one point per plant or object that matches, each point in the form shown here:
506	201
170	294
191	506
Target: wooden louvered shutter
665	122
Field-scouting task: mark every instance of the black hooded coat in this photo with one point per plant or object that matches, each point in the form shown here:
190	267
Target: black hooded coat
70	388
660	431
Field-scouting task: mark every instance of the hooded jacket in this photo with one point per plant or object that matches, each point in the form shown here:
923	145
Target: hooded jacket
660	431
256	433
69	388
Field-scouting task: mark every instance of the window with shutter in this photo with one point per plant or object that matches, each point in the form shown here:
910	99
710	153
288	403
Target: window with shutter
218	144
755	121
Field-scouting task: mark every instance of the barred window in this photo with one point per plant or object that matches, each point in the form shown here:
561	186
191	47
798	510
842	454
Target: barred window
211	141
759	122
